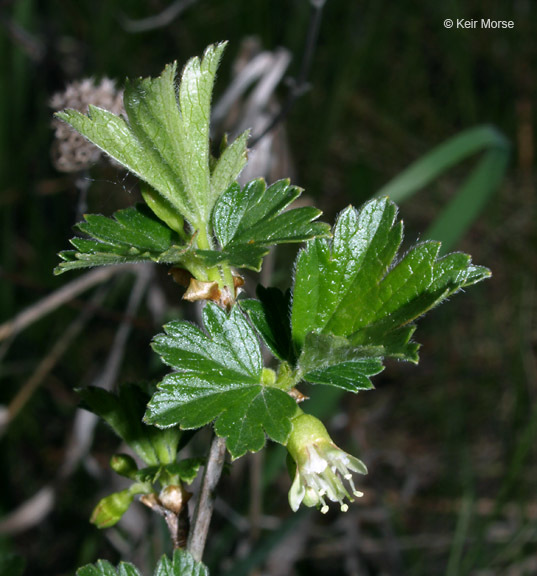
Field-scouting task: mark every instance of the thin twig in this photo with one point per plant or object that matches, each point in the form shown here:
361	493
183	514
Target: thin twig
299	85
32	512
252	71
57	299
44	367
204	507
24	40
167	16
85	422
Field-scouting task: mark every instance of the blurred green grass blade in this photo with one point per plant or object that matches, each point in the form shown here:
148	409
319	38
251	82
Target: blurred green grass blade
460	537
475	192
472	197
428	168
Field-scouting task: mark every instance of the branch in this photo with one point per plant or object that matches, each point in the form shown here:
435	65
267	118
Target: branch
56	299
167	16
31	512
204	507
299	85
47	364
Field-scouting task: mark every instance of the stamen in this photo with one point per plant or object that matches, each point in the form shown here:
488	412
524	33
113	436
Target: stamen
351	483
344	507
324	508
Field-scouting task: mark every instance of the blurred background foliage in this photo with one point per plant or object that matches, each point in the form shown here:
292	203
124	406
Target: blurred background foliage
449	444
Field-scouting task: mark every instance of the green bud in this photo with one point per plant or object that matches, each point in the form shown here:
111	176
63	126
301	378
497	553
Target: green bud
268	377
162	208
124	465
110	509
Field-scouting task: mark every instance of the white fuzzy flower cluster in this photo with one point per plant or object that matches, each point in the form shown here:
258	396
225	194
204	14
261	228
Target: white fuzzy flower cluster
71	152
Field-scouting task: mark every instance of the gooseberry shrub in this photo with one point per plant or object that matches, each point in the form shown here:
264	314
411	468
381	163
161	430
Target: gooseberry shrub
353	302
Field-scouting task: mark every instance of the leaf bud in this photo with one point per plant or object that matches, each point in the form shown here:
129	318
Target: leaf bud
124	465
173	498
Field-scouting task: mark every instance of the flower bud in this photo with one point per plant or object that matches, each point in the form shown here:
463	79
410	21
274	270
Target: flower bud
110	509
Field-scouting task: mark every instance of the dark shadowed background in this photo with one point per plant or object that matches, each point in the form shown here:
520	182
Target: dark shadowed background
449	443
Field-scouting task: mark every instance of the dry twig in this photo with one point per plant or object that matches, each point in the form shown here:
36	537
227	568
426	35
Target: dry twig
61	296
204	506
46	365
36	508
167	16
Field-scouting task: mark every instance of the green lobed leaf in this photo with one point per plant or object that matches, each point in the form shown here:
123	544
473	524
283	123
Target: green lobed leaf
353	305
195	91
219	378
114	135
247	221
104	568
357	286
244	413
123	413
182	564
165	139
132	235
333	360
229	165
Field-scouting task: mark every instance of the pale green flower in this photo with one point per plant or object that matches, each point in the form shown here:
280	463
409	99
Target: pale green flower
322	469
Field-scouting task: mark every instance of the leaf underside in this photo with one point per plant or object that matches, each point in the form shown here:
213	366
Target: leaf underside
132	235
123	413
246	223
270	316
